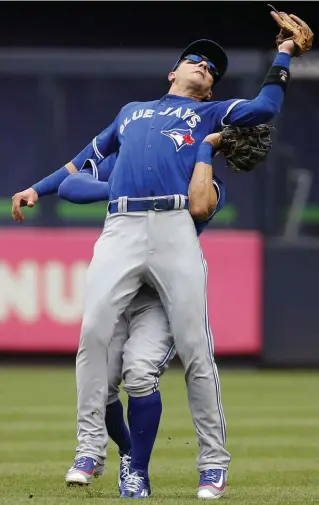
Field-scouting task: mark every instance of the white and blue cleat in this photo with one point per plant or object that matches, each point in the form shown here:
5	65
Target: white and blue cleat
82	471
212	484
135	485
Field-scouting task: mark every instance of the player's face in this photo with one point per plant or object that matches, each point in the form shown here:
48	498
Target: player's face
195	74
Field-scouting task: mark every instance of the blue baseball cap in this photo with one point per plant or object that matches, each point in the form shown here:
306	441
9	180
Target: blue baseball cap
212	51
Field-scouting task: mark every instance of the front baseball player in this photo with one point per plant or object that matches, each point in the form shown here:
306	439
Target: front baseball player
145	353
150	345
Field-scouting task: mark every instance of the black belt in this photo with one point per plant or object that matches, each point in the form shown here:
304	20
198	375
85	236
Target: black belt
156	204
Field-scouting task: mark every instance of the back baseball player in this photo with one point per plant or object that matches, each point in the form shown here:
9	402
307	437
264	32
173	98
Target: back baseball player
149	237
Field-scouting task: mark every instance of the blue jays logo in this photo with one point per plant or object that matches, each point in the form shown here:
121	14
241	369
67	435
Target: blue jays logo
180	137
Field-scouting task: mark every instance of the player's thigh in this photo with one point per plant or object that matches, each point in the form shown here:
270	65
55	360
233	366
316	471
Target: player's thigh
113	276
115	357
179	273
149	347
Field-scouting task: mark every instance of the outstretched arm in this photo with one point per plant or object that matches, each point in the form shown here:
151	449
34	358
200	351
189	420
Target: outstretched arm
295	38
101	146
83	188
90	184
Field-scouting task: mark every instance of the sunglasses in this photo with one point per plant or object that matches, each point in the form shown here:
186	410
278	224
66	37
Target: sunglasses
197	58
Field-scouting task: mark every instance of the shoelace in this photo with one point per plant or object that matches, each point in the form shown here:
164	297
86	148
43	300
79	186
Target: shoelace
125	463
80	463
132	482
211	475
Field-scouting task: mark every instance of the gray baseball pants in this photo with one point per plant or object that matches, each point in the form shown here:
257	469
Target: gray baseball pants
141	348
161	249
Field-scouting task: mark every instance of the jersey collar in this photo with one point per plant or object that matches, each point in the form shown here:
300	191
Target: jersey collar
169	96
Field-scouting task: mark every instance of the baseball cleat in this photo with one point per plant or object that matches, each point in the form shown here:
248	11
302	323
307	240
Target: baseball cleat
212	484
135	485
125	462
82	471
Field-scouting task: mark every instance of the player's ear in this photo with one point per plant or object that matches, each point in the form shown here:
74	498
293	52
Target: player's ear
171	76
209	95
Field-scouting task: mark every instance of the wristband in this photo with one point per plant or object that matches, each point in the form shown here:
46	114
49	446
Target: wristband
205	153
279	72
51	183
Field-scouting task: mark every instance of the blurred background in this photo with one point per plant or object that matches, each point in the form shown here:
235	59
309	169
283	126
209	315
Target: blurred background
66	69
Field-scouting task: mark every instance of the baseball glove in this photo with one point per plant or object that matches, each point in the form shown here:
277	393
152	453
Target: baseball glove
293	28
244	148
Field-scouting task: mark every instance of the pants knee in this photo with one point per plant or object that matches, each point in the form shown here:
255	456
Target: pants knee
137	383
98	327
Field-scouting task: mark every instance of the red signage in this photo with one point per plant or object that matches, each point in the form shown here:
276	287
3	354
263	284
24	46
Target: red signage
42	282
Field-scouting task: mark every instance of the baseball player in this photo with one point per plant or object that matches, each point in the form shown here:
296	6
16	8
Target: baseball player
150	340
149	235
146	353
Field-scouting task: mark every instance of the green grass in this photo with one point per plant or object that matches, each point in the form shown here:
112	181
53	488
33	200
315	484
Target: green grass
273	433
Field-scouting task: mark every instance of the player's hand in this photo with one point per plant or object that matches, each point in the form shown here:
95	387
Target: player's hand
26	198
213	138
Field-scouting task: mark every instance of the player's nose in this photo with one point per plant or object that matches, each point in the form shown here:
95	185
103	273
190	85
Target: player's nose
203	65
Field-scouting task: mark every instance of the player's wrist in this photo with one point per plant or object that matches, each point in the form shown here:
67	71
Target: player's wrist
214	139
287	48
34	193
205	153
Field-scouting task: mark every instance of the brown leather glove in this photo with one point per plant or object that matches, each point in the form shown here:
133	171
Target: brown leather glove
293	28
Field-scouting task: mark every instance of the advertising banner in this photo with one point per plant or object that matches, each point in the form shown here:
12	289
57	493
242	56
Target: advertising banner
42	283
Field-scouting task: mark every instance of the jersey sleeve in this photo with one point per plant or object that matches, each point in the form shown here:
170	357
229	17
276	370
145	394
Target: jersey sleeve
90	167
101	146
220	188
101	170
222	112
259	110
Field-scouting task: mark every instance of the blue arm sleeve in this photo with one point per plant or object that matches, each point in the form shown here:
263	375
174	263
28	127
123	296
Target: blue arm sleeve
221	197
51	183
83	188
101	146
262	108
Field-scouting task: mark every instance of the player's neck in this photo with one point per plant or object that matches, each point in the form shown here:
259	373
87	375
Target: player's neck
187	93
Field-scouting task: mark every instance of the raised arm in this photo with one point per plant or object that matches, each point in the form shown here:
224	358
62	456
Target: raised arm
269	101
295	38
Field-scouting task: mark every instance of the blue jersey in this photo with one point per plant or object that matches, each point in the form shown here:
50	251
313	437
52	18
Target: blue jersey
103	171
157	141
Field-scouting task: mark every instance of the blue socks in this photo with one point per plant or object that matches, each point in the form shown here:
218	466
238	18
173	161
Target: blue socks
117	428
144	414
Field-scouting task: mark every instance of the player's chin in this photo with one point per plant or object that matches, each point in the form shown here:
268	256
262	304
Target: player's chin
198	86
